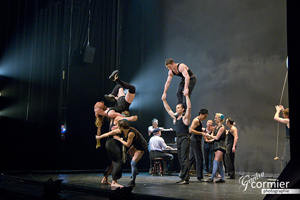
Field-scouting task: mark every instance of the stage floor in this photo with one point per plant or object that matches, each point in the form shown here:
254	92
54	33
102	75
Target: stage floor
83	185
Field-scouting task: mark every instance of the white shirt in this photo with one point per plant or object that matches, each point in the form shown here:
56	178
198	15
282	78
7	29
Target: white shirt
157	143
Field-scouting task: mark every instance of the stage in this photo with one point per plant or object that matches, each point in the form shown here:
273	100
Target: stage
86	185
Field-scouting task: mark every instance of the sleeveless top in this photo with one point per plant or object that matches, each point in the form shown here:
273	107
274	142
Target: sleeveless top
220	143
197	137
180	74
230	138
138	141
287	129
181	128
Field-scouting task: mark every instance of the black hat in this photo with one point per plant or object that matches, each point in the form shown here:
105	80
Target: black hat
203	111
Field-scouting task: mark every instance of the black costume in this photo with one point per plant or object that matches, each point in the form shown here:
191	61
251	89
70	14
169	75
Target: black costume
229	156
180	88
114	151
196	155
220	143
183	148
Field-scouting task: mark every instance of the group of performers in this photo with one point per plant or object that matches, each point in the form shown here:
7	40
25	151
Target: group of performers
189	149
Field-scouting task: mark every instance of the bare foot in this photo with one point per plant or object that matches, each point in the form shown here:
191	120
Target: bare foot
115	184
105	181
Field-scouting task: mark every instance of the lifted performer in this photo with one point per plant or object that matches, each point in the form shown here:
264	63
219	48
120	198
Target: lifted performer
118	95
187	83
183	138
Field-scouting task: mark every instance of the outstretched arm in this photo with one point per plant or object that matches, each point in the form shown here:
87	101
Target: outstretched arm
167	84
113	132
168	109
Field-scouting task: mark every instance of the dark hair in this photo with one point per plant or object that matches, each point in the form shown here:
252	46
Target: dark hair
124	124
182	105
169	61
231	121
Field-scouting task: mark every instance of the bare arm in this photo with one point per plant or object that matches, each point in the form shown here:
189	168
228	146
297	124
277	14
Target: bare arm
235	135
279	119
167	84
220	132
187	116
114	132
168	109
184	70
113	114
129	139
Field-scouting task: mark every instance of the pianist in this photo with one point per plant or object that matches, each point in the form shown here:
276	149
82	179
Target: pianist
157	145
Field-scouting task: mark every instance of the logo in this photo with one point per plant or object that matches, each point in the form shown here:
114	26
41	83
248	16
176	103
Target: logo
254	182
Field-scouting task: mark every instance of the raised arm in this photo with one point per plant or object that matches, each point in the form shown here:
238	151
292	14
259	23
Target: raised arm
168	109
184	70
167	84
187	116
279	119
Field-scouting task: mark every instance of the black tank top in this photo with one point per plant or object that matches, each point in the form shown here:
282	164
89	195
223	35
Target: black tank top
180	74
198	128
139	141
181	128
230	137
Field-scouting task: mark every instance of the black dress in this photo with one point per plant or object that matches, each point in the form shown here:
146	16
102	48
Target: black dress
220	143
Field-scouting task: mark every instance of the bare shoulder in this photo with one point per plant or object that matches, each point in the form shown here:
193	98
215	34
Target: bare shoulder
183	67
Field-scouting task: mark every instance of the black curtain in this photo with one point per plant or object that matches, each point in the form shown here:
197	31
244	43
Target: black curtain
45	82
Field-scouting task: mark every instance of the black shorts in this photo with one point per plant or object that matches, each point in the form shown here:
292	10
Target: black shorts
122	105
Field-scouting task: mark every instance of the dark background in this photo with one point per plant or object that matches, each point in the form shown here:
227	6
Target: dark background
237	49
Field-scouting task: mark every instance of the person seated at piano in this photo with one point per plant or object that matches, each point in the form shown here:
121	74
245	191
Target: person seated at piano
157	145
154	126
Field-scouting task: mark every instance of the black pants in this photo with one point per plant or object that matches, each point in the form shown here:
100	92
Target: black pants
229	160
183	149
196	157
114	152
180	88
166	156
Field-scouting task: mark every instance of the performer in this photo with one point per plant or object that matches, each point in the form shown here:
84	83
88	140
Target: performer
155	125
150	131
132	139
196	143
230	142
114	151
285	120
123	101
188	80
219	148
208	148
183	138
157	145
